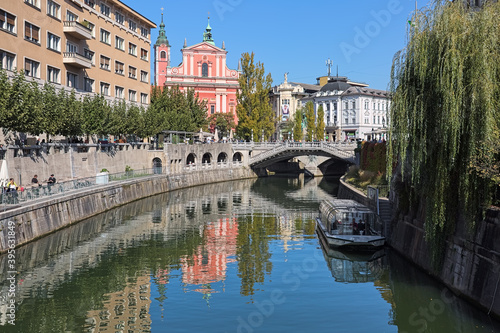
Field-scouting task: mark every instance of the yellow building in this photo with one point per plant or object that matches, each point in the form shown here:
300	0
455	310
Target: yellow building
87	45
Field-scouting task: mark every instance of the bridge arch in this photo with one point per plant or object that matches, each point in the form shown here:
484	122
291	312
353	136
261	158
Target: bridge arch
207	158
191	159
237	157
222	157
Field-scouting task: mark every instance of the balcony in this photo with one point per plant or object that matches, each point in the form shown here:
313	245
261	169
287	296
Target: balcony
77	30
77	60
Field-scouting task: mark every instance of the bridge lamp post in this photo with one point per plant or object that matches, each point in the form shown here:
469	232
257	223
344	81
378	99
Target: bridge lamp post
252	134
262	136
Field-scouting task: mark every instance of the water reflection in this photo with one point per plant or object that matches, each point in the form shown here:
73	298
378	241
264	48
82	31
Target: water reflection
211	254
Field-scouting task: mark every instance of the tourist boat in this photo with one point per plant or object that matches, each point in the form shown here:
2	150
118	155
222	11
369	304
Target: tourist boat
349	225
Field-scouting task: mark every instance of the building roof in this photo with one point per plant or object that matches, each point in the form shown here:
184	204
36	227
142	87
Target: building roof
353	90
308	88
338	83
144	18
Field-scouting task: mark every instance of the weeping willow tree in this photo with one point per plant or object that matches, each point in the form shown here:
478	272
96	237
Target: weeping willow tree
445	108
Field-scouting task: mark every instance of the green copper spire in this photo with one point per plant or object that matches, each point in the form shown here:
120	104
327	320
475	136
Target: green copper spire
207	35
162	37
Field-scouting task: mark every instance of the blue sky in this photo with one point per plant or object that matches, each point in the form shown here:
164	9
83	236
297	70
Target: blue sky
360	36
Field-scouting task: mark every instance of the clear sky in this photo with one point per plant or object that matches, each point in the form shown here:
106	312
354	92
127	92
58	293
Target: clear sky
360	36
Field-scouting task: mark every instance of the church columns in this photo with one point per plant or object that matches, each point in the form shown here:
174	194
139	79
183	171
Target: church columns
224	102
217	102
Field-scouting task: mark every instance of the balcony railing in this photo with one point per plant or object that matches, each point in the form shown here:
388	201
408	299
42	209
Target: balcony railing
76	59
77	30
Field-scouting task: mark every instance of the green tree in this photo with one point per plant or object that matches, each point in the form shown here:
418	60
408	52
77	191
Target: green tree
445	104
95	115
310	121
224	122
253	109
70	123
297	124
320	124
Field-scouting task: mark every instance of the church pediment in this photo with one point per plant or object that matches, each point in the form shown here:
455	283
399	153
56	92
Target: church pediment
204	46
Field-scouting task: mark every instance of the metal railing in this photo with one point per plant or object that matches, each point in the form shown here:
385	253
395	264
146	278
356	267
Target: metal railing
35	192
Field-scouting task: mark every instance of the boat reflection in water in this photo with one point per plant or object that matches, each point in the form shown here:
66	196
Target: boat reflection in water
353	267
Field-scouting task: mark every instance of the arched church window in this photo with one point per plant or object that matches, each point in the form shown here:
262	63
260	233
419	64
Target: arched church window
204	69
163	54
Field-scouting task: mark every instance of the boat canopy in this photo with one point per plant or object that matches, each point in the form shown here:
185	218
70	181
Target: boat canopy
348	217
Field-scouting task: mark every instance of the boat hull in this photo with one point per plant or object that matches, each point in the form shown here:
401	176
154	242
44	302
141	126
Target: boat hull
350	242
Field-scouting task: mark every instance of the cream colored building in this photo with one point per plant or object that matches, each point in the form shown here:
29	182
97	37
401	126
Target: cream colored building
91	46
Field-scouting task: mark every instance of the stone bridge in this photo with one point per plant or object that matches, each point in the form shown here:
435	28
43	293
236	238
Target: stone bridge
315	156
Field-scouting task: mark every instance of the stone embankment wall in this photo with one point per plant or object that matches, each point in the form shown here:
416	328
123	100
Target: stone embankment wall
471	259
44	217
74	161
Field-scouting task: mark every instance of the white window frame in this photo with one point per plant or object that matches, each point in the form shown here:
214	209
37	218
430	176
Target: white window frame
53	9
71	83
144	76
119	18
70	16
89	54
6	26
119	92
118	39
132	72
144	98
132	25
89	3
132	50
105	9
102	90
51	70
50	38
101	64
30	38
34	70
117	71
105	36
34	3
144	32
7	58
71	47
86	81
147	54
132	95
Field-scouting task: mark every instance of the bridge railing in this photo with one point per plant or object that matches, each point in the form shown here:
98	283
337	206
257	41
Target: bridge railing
332	148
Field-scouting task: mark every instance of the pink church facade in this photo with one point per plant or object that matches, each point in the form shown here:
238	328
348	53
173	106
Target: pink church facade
203	69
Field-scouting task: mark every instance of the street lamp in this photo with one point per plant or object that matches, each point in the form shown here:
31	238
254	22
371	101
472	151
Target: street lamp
252	134
262	136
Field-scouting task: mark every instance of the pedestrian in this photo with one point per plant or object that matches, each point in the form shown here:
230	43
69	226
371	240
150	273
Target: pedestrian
35	181
51	180
11	186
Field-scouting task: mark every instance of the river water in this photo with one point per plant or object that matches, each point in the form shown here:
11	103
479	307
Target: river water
240	256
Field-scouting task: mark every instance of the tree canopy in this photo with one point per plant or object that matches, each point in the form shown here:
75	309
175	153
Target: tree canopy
253	109
445	109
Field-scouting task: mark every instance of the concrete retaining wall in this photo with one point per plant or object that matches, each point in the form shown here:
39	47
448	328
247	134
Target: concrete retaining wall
471	264
44	217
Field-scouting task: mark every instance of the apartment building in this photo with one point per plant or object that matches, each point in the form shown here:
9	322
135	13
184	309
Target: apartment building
91	46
